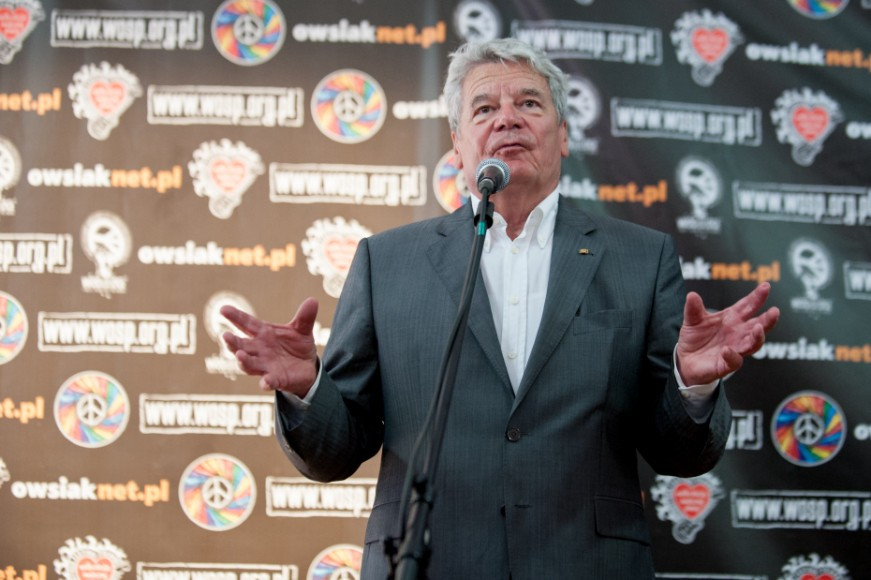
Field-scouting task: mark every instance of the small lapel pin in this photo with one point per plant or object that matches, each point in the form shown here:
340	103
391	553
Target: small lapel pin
585	252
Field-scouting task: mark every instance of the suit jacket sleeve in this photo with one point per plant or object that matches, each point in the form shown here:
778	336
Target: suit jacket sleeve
344	425
671	441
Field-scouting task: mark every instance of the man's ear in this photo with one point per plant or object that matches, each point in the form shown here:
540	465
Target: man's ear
457	159
564	138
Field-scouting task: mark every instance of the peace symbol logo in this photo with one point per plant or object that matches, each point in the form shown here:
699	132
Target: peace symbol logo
349	106
91	409
808	428
248	32
217	492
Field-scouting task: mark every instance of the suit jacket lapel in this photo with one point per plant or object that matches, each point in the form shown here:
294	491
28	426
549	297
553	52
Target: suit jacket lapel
449	256
571	271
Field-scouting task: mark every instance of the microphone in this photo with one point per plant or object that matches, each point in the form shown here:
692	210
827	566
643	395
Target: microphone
492	175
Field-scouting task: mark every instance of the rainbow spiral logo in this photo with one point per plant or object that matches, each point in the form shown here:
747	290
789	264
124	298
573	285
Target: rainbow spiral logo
449	184
819	9
248	32
348	106
217	492
808	429
13	327
340	561
91	409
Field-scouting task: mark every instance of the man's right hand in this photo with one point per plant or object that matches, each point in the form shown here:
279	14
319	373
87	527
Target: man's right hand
284	356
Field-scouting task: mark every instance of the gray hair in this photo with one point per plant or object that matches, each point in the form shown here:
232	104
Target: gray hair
470	55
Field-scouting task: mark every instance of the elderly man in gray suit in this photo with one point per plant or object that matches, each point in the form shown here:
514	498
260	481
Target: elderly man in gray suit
583	348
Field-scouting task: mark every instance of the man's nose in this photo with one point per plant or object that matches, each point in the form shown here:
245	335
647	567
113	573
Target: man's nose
508	118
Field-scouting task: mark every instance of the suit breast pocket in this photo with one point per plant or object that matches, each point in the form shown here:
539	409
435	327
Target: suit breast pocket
602	321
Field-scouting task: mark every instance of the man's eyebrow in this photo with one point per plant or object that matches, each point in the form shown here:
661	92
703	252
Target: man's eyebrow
479	98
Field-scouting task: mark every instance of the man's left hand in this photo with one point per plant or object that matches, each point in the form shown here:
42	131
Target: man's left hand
713	345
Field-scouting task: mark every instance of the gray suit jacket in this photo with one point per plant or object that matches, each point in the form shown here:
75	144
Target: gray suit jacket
543	484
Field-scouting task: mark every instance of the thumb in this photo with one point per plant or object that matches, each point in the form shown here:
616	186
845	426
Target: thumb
694	309
304	319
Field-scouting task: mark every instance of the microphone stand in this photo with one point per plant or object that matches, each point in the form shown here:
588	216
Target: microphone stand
409	554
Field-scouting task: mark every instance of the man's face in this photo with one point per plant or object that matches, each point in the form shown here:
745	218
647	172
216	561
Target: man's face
508	113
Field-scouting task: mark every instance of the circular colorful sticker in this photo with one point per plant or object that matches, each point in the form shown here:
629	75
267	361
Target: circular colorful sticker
13	327
217	492
449	184
819	9
348	106
248	32
342	561
808	428
91	409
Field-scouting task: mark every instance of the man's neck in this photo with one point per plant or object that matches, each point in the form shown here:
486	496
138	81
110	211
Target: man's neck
515	209
515	218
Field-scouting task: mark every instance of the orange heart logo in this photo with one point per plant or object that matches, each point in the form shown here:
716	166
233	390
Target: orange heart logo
339	252
810	122
13	23
710	43
228	174
107	96
691	500
90	569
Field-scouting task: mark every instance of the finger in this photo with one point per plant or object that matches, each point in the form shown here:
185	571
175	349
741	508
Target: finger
762	325
241	320
304	319
694	309
264	384
769	318
753	341
234	342
249	363
732	361
753	301
271	382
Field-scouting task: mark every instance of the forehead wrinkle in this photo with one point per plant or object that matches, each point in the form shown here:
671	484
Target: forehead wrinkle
532	92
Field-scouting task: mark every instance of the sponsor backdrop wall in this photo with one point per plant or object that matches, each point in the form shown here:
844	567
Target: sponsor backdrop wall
158	163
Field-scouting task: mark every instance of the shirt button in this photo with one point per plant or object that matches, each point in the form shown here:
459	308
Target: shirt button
515	250
513	434
512	355
514	300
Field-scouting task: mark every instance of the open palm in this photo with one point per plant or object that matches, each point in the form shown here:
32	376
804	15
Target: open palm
283	355
713	344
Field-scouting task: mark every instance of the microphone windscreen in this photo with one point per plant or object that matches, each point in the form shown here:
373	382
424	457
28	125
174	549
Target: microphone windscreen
494	170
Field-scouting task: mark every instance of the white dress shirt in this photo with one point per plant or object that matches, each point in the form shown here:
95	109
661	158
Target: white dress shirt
516	274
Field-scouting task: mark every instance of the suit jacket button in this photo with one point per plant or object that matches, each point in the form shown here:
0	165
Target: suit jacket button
513	434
